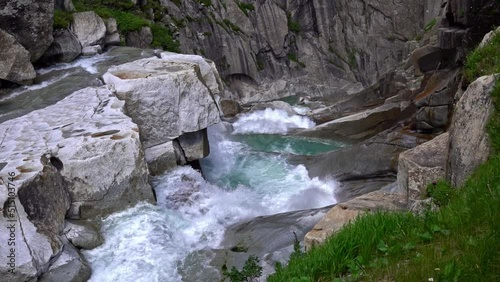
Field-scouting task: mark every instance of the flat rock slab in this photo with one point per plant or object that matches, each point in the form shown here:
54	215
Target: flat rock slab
346	212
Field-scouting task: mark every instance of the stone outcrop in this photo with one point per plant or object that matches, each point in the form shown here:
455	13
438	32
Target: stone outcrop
65	5
89	28
166	99
30	23
469	143
364	124
435	102
15	63
64	49
346	212
422	165
112	35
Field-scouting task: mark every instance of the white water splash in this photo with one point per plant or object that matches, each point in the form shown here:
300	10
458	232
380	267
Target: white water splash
86	63
148	243
270	121
43	84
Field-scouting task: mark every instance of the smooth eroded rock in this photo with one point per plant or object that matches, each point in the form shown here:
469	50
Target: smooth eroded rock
83	234
161	158
97	147
70	266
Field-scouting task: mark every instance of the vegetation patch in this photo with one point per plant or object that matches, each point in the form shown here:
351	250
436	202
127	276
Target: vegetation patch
231	25
458	242
62	19
293	57
130	17
245	7
293	25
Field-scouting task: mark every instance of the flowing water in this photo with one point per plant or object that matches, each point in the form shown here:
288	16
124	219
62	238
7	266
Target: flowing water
246	175
242	181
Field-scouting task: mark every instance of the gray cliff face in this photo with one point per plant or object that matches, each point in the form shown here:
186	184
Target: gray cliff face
316	47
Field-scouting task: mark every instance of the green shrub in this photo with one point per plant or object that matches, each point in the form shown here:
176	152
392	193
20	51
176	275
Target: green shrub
62	19
293	25
441	192
245	7
250	272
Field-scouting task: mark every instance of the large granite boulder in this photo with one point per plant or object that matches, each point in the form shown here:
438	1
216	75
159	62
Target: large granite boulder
421	166
30	22
15	63
166	99
469	143
89	28
64	49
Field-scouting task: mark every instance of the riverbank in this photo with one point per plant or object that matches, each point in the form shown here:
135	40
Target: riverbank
458	242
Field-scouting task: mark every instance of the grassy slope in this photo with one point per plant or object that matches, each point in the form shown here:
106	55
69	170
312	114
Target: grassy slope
460	242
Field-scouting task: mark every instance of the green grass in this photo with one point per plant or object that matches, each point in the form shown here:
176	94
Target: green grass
231	25
484	60
458	242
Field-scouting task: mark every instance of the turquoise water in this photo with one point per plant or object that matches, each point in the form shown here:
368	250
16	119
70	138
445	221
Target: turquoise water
274	143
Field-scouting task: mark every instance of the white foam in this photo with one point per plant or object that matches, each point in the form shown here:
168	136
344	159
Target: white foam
270	121
148	243
86	63
41	85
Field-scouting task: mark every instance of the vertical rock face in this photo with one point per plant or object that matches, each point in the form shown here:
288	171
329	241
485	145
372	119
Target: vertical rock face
469	144
30	22
288	47
15	63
